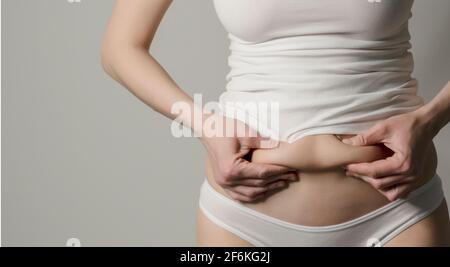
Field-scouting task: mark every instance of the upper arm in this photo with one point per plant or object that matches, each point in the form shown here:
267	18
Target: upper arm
134	22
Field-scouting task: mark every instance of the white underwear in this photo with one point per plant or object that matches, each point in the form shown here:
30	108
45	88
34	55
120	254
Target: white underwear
372	229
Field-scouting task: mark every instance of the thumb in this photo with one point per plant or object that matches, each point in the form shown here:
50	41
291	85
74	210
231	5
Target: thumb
258	142
255	139
372	136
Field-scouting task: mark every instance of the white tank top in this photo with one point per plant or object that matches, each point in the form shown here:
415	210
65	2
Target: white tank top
333	66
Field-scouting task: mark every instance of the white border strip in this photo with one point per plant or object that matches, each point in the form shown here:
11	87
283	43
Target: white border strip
0	125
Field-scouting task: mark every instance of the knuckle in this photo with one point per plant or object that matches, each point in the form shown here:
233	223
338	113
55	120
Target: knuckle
277	185
224	173
271	185
380	128
248	193
232	195
221	180
251	193
362	139
235	197
372	173
255	193
406	166
228	173
224	181
245	199
260	182
262	173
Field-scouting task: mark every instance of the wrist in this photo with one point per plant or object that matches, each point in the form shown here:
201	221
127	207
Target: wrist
429	118
206	134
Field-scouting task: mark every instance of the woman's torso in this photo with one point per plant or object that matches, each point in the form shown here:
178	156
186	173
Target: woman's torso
324	195
326	66
333	67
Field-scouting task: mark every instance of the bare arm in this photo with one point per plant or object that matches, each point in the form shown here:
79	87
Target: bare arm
437	111
125	57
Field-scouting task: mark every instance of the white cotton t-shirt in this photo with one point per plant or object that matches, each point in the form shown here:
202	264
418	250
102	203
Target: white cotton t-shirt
327	66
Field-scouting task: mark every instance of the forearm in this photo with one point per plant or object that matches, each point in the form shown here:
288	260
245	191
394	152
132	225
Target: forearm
137	70
436	113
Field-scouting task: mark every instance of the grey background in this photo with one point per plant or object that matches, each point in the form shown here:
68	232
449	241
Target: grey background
83	158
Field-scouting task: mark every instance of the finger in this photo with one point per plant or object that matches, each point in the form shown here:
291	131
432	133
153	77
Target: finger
373	135
276	185
290	177
247	194
386	182
397	191
378	168
253	170
250	192
237	197
250	138
258	142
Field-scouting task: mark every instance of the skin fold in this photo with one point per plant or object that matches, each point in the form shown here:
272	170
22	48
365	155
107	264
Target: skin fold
319	152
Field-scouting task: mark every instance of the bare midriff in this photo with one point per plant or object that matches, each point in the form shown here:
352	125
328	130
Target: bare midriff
324	195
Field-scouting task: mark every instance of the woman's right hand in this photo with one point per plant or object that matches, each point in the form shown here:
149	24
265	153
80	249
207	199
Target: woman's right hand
242	179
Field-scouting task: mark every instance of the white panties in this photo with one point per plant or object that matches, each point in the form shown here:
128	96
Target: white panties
372	229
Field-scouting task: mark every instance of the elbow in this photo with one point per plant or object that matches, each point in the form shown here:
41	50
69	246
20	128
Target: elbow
106	58
113	55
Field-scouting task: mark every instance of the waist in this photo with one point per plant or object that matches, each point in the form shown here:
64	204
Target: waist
324	195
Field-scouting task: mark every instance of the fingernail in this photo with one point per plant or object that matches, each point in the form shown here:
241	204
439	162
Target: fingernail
347	141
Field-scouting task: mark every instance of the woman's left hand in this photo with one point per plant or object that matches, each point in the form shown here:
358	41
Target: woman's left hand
409	137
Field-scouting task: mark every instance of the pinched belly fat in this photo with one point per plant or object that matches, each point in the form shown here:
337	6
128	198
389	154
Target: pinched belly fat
319	153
